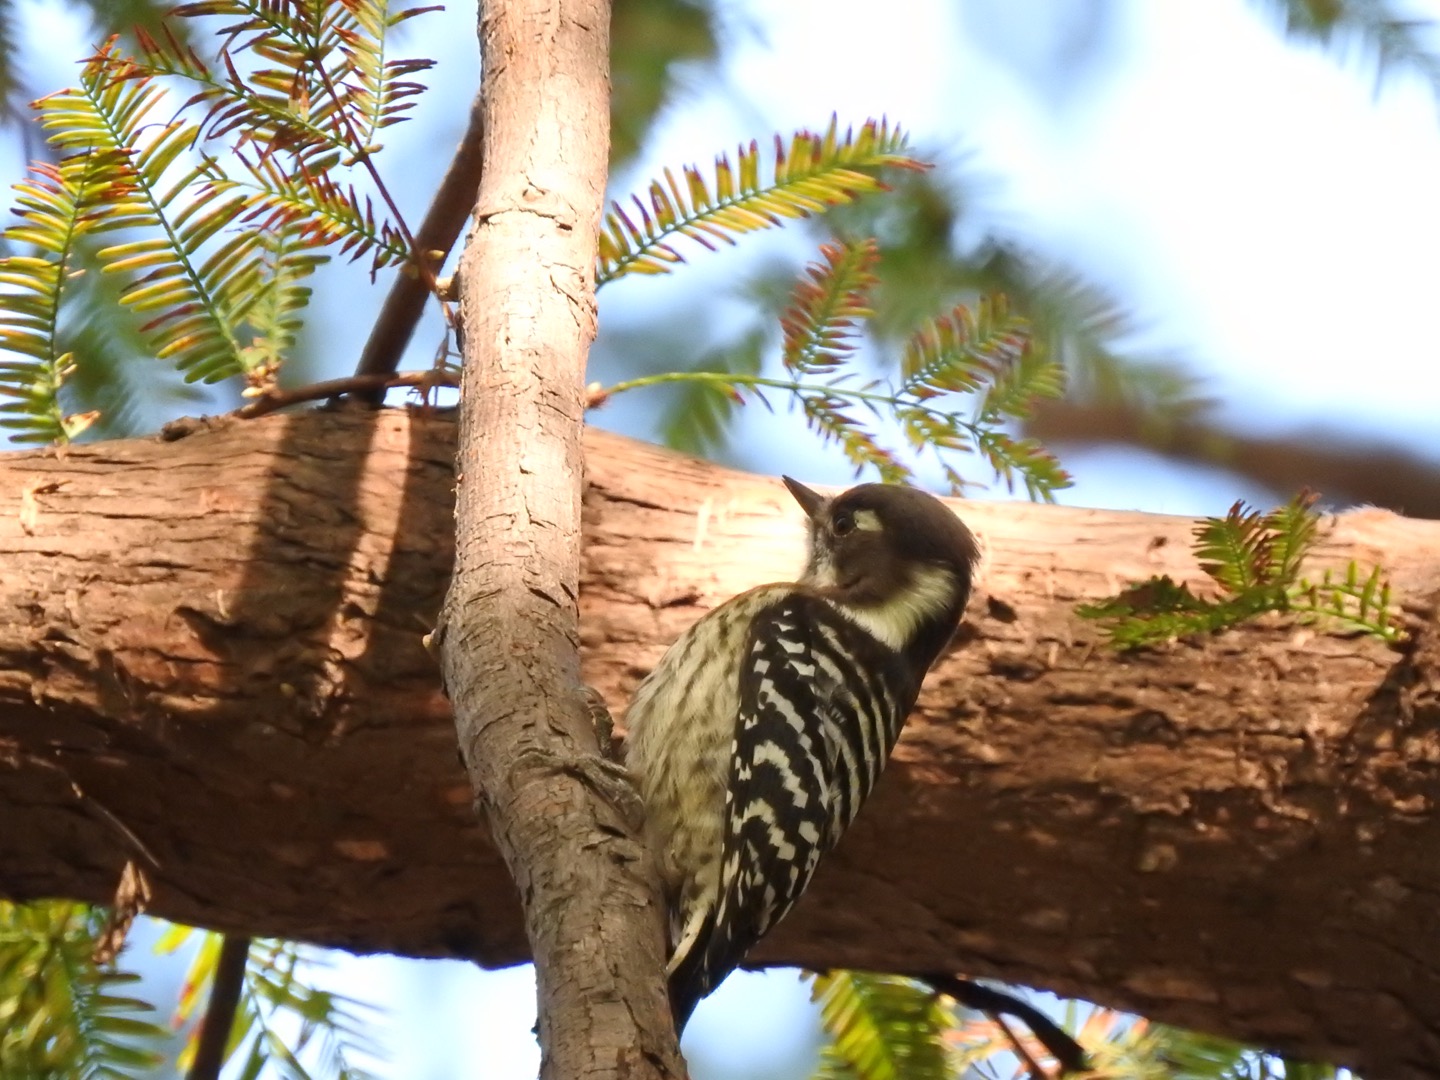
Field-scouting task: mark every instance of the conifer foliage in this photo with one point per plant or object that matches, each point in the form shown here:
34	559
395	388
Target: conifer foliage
214	213
1254	560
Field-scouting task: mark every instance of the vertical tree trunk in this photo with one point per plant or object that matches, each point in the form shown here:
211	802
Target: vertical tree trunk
508	634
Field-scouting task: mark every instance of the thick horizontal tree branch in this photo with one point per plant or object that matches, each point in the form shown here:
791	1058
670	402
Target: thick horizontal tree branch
1344	470
210	651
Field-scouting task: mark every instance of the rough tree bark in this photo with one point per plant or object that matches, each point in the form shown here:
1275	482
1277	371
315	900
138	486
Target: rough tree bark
211	648
508	633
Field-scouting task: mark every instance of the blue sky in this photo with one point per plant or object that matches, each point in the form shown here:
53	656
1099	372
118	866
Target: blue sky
1261	211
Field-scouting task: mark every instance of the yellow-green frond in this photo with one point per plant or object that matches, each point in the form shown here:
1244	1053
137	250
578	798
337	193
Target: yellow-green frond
273	320
990	352
881	1027
325	212
964	376
958	350
194	254
811	175
192	288
380	91
832	412
827	303
52	206
1236	550
1255	559
323	1033
61	1014
329	86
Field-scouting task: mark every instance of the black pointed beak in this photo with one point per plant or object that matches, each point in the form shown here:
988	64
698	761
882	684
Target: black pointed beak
809	501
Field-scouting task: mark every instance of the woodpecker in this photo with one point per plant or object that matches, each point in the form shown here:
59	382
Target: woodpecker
755	740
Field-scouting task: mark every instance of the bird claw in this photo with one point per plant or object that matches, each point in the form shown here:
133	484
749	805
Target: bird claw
603	722
611	781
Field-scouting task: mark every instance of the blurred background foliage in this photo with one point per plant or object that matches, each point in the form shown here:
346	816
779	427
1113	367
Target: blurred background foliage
1153	404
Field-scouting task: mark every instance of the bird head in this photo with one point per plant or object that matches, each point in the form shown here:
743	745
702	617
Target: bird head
893	558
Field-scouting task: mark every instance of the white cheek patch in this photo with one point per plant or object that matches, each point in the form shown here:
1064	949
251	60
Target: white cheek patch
867	520
929	592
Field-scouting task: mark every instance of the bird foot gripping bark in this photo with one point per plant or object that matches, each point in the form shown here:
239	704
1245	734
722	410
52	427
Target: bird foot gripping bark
605	774
604	724
601	773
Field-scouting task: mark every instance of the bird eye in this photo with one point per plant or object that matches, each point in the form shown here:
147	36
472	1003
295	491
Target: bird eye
843	525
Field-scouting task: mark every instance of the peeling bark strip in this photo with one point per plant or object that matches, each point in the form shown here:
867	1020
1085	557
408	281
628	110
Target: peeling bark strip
508	633
211	648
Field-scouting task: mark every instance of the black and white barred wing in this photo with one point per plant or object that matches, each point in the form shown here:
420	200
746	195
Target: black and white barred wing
821	703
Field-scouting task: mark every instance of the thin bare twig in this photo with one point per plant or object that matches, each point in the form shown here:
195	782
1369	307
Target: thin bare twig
220	1012
93	806
449	210
356	385
1037	1071
1058	1043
